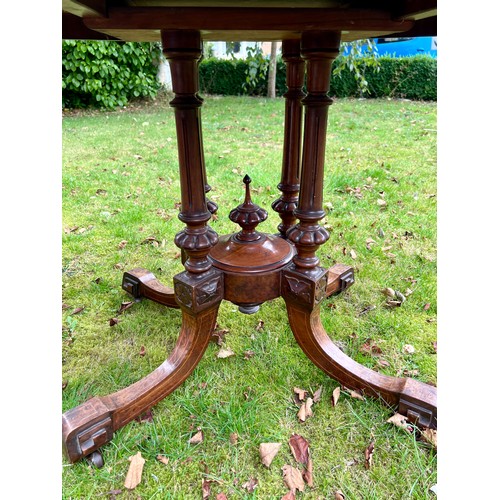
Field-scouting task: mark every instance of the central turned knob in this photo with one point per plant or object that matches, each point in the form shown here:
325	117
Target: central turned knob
248	216
251	261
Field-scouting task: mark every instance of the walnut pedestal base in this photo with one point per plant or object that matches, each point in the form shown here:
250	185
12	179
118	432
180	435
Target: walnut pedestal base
91	425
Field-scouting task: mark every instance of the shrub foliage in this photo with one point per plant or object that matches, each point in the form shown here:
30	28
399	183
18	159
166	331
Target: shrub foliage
402	77
107	74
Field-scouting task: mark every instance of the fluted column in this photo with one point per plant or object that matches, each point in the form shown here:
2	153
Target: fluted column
183	49
318	49
292	144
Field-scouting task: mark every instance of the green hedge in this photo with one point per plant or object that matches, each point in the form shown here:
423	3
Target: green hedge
107	74
402	77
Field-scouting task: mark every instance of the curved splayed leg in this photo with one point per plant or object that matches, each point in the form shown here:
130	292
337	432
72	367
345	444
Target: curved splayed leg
92	424
141	283
416	400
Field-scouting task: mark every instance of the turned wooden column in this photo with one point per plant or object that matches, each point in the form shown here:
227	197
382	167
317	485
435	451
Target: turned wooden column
183	49
292	144
318	49
212	206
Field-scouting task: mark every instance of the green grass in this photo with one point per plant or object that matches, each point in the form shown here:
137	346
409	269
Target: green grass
120	183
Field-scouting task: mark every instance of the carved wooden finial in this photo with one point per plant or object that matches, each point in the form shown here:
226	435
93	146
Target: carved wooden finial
248	215
247	181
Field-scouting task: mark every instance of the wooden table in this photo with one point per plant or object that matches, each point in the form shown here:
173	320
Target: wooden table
247	268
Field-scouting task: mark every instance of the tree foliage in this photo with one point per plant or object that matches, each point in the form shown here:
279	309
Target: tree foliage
257	68
357	57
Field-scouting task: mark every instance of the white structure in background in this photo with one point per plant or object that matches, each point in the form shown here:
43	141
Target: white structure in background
239	52
163	75
219	51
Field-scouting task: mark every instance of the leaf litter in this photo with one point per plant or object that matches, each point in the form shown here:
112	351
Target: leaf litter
267	452
134	474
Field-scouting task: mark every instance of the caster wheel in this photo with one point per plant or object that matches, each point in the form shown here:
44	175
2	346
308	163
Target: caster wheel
96	460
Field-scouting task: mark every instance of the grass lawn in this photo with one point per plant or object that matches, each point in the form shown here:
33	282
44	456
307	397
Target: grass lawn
120	206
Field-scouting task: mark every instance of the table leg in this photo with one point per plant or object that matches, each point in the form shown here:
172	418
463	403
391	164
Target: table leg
183	49
198	290
292	144
340	276
305	283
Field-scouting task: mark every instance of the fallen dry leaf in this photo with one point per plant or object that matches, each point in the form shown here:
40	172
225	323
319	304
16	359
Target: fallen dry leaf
393	303
389	292
225	353
77	310
430	435
142	352
293	478
353	254
248	354
205	489
317	395
299	447
113	321
411	373
369	455
134	474
122	244
367	309
289	496
267	452
233	438
250	485
197	438
427	306
369	243
151	240
221	496
381	203
338	495
163	459
260	325
408	349
400	421
354	394
305	410
370	348
335	395
125	305
219	336
301	393
308	473
383	363
147	416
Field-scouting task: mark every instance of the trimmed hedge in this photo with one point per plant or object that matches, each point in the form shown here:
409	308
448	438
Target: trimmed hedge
107	74
399	77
